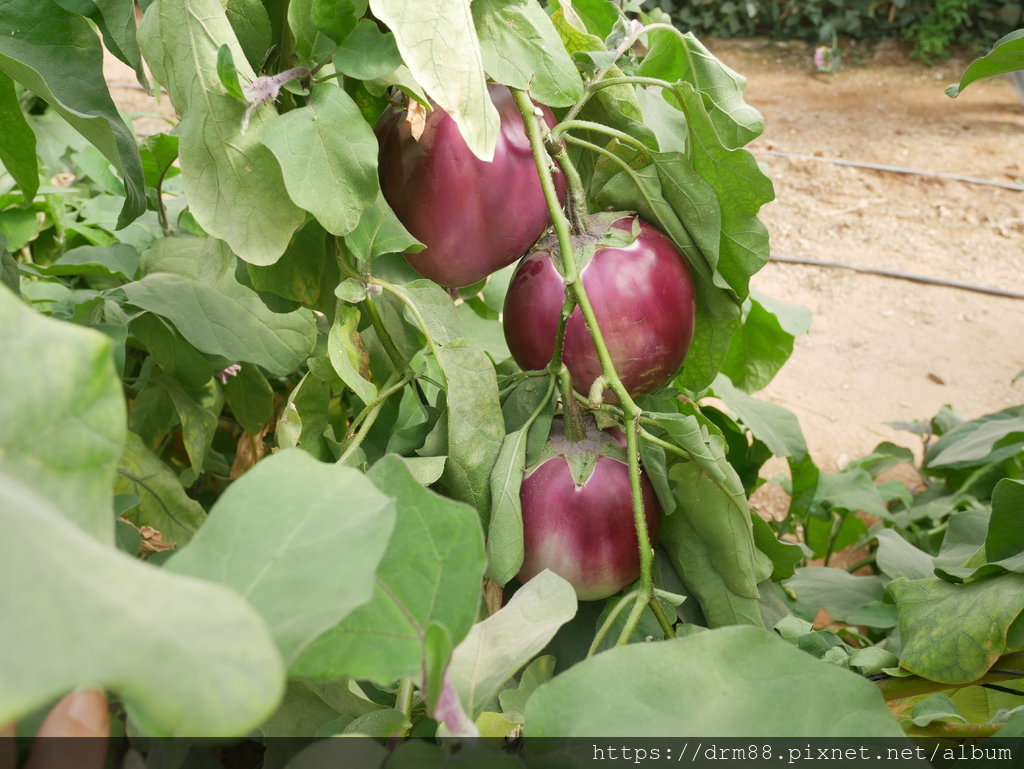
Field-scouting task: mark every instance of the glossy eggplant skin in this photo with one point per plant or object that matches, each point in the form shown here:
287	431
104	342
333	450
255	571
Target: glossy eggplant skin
474	217
585	534
644	299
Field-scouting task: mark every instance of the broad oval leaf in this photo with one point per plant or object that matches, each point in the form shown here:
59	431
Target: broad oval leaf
72	83
497	647
439	44
124	614
299	539
233	183
62	413
430	573
328	156
731	682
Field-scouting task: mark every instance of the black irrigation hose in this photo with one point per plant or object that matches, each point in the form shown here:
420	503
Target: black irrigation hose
897	170
901	275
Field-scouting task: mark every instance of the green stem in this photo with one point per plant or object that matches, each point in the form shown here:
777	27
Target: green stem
610	620
368	416
586	125
385	338
403	698
663	620
574	284
386	393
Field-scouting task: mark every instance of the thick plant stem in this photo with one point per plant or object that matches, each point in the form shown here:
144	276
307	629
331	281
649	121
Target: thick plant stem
403	698
574	285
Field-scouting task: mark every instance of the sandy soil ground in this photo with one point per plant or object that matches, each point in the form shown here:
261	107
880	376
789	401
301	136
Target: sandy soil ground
880	349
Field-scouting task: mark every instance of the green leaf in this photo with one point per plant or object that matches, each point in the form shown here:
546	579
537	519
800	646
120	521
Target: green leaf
118	260
163	503
233	183
979	442
155	614
367	53
689	686
62	414
709	537
430	573
673	58
298	274
116	22
505	529
936	707
226	72
455	82
252	26
1007	55
300	540
10	275
952	633
250	398
220	317
475	426
836	591
522	49
897	558
72	83
379	232
346	352
17	141
764	342
497	647
776	426
198	424
328	155
1005	539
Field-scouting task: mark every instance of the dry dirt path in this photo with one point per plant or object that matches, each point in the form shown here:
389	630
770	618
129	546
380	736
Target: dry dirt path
881	349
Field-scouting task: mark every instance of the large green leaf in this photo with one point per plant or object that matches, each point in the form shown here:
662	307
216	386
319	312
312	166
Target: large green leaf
136	630
522	49
676	57
1007	55
72	83
770	423
17	140
233	182
189	283
987	439
439	44
952	633
299	539
497	647
328	155
62	413
765	340
730	682
430	573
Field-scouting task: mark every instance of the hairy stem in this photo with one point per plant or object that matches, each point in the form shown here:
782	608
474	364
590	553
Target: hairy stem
610	620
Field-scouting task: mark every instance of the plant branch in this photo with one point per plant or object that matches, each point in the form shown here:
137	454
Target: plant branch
631	412
610	620
368	417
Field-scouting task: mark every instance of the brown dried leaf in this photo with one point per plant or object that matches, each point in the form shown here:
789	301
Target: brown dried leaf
251	450
416	117
153	540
